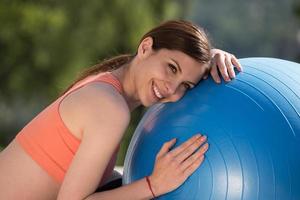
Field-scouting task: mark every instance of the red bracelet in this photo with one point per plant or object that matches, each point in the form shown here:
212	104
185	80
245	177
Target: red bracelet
149	185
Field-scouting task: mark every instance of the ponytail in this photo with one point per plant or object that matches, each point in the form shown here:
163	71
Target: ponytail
105	66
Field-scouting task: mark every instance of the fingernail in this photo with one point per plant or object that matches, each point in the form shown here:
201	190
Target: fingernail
206	145
203	138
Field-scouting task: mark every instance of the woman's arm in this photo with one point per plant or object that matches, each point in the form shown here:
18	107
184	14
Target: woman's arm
102	115
103	130
137	190
171	169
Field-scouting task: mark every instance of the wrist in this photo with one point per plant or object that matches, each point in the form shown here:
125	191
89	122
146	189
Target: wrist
152	186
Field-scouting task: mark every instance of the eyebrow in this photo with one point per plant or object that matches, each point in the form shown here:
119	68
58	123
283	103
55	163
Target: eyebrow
179	68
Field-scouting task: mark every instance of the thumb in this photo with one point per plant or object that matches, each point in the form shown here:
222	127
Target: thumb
166	147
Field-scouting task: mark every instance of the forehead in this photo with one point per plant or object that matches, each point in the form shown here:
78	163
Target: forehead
192	69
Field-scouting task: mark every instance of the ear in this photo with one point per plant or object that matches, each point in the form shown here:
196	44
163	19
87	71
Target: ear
145	47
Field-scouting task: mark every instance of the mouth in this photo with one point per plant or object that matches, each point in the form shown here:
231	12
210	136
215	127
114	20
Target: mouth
156	92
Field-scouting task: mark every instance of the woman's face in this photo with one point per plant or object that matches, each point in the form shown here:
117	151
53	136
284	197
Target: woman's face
165	75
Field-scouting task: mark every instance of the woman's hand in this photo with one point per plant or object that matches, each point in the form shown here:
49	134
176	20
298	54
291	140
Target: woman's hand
223	62
173	167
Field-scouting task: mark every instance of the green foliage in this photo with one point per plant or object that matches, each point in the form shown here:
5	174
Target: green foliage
45	44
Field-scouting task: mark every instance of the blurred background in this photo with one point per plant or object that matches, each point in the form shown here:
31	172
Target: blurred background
45	44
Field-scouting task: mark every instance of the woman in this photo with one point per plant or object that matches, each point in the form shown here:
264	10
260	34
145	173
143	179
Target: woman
69	149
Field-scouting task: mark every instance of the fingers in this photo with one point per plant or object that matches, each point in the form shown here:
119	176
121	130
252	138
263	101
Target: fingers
176	151
166	147
173	167
236	63
219	64
214	72
195	158
190	149
220	61
193	166
223	64
229	66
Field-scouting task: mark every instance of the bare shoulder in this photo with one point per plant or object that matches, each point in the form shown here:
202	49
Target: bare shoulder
102	115
92	104
102	96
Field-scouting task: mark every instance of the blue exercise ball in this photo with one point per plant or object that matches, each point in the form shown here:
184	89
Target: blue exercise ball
253	128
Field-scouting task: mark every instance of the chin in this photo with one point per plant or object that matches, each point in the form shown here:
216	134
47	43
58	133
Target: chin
144	101
147	104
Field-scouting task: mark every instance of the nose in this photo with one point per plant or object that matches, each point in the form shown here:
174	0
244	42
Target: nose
171	87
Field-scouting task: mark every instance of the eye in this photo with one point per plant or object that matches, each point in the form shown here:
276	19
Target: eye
173	68
187	86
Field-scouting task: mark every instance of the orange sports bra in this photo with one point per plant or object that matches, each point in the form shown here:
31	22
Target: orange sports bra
50	143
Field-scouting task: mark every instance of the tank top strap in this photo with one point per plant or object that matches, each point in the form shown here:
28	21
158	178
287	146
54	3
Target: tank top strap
109	78
106	77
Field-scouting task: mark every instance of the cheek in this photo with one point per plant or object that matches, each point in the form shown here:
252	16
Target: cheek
178	95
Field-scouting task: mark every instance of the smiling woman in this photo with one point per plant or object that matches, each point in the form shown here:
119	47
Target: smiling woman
77	137
167	74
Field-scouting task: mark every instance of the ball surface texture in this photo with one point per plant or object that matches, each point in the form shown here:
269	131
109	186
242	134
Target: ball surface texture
253	128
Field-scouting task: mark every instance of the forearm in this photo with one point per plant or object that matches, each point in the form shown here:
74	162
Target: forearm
137	190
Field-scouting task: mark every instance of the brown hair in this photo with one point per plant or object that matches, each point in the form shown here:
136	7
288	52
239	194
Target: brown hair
178	35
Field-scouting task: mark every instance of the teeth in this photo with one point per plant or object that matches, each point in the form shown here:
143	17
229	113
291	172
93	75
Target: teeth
157	92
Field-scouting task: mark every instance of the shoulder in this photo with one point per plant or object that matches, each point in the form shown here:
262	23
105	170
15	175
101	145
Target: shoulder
100	98
96	104
102	94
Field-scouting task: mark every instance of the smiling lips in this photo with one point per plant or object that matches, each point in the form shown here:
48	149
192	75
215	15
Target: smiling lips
156	92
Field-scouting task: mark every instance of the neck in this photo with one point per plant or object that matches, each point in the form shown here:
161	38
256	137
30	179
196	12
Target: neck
126	79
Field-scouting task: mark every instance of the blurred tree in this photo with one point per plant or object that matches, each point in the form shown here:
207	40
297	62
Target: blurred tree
297	14
45	44
250	28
